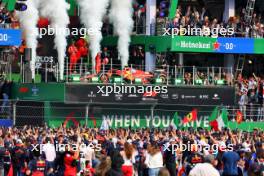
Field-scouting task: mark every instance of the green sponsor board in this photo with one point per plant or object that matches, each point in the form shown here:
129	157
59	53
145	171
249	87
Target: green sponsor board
158	122
176	43
11	6
138	117
38	92
258	46
193	44
134	122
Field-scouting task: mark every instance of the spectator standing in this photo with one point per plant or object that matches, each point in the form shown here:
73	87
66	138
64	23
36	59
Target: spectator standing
230	160
129	159
104	166
206	168
50	155
154	159
116	164
5	93
2	154
170	161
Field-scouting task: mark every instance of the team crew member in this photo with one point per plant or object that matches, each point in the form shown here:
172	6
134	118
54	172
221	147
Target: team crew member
70	162
19	156
37	165
74	55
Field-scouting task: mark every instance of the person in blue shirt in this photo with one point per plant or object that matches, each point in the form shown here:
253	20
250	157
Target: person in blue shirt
230	160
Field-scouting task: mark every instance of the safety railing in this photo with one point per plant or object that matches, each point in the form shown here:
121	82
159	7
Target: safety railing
169	75
136	74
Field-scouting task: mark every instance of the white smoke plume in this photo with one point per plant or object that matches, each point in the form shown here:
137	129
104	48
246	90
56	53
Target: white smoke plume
121	15
28	21
92	13
56	12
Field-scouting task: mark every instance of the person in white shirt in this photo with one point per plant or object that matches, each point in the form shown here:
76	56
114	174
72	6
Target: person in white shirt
154	159
50	154
87	155
206	168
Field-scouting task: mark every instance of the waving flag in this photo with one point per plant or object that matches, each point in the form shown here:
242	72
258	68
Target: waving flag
221	121
192	116
213	115
176	121
239	117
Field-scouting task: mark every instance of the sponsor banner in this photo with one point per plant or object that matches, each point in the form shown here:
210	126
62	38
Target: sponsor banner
137	117
38	92
235	45
193	44
10	37
259	46
147	95
6	123
218	45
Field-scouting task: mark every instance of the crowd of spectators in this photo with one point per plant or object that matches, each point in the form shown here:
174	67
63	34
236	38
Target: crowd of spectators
127	152
192	17
139	17
7	18
250	96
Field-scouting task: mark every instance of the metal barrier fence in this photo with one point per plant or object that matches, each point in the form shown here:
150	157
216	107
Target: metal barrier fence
38	113
134	74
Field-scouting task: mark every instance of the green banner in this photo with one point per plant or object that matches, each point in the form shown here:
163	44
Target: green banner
173	8
258	46
157	122
38	92
137	117
73	6
193	44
